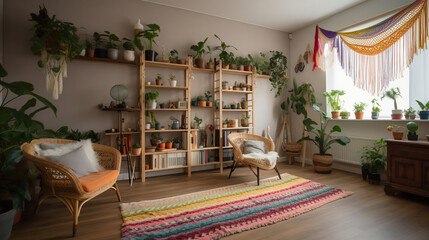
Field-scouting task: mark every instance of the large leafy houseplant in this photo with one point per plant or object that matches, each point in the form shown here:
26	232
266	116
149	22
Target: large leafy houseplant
224	55
277	71
17	126
199	53
373	160
150	34
57	42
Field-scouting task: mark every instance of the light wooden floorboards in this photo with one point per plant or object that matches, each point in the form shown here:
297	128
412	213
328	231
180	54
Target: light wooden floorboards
367	214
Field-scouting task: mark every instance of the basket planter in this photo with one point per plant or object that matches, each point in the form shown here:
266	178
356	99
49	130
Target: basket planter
335	114
293	147
245	105
322	163
244	122
398	135
210	65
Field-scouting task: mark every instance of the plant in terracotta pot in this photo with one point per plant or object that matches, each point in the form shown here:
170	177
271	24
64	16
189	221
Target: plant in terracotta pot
323	161
169	144
199	53
373	160
335	102
176	142
161	145
113	44
57	42
155	138
243	62
396	130
150	34
359	108
90	45
210	64
158	79
201	101
174	56
129	53
245	120
412	131
150	99
424	112
345	114
393	94
136	149
198	122
172	80
224	55
208	95
375	108
410	113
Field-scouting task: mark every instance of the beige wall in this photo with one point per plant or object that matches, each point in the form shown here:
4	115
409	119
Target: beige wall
89	83
366	10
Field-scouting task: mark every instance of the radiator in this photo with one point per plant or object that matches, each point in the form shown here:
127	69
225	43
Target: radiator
352	152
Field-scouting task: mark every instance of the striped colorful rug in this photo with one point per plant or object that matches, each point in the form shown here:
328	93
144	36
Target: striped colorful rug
220	212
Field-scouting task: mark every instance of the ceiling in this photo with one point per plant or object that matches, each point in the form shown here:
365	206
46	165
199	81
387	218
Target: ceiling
283	15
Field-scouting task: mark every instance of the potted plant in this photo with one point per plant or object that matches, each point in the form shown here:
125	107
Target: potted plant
322	161
225	123
412	131
155	138
176	142
210	64
197	122
56	42
245	120
241	62
335	102
100	50
375	109
90	45
208	96
17	127
345	114
244	103
234	105
233	123
358	108
194	102
174	56
225	85
161	145
157	125
136	149
172	79
158	79
150	99
129	53
232	61
201	101
393	93
224	55
169	144
199	53
373	160
424	112
112	45
396	131
260	63
150	34
410	113
277	71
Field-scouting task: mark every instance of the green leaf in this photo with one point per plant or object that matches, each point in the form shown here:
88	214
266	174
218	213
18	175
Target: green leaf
40	64
30	103
3	72
19	88
336	128
46	102
13	155
11	135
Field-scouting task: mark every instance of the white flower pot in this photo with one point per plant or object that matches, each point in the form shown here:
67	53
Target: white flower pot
112	53
147	126
129	55
152	104
399	111
173	83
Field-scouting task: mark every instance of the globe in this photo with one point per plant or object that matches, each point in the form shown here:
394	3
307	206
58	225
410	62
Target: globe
119	93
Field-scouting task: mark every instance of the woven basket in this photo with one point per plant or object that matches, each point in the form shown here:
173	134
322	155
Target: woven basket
293	147
322	163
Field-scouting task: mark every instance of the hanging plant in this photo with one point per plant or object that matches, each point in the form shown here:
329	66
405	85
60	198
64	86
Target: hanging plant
277	71
56	41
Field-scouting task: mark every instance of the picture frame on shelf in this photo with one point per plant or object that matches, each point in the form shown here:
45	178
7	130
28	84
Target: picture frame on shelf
181	104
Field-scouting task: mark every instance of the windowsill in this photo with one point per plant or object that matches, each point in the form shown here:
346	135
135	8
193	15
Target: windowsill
381	120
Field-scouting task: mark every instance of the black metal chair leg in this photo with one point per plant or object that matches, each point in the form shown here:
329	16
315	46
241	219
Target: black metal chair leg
234	165
280	177
257	176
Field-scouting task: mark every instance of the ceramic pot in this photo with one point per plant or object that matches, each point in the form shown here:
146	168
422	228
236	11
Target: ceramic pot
233	66
248	68
194	103
359	115
322	163
150	55
396	116
152	104
245	105
161	145
424	114
209	104
100	53
90	53
136	151
335	114
129	55
82	53
241	67
210	65
202	103
173	83
398	135
157	126
412	137
233	123
168	145
397	111
345	115
113	53
176	145
147	126
158	82
374	115
200	62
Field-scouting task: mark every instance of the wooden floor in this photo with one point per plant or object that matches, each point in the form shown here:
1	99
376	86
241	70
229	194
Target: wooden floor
367	214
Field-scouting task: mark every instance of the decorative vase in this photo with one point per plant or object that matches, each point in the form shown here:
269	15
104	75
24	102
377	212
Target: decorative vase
200	62
335	114
374	115
322	163
136	151
150	55
168	145
424	114
113	53
359	115
129	55
173	83
398	135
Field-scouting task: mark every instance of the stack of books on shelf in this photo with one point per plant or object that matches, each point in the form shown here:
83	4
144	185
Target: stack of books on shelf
168	160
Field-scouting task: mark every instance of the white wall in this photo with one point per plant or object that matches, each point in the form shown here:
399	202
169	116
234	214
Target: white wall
359	13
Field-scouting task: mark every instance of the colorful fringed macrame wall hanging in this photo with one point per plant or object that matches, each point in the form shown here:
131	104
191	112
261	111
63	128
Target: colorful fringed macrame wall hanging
376	55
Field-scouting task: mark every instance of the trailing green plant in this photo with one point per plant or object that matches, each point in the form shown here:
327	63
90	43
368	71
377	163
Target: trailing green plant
174	56
150	96
322	139
359	107
150	34
277	71
392	93
299	98
424	107
208	95
409	111
198	121
334	99
375	105
17	126
199	49
113	40
374	156
128	44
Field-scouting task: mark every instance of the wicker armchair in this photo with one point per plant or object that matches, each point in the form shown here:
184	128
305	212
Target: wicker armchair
237	141
61	182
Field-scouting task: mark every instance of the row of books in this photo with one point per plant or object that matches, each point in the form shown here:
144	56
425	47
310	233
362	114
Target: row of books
225	134
201	157
227	155
168	160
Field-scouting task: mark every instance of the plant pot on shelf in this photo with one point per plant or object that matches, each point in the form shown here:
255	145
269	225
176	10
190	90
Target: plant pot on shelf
181	61
244	122
150	55
210	65
113	53
398	135
136	151
157	126
129	55
245	105
240	67
6	221
162	105
293	147
236	88
410	116
90	53
233	66
158	82
397	114
412	136
225	67
335	114
200	62
173	83
194	103
424	114
209	104
374	115
359	115
248	68
322	163
152	104
154	142
100	53
161	146
233	123
169	145
202	103
176	145
345	115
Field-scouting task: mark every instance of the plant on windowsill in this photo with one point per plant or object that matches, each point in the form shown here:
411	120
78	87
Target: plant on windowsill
335	102
199	53
396	131
344	114
373	160
412	131
375	109
358	108
322	161
393	94
410	113
424	112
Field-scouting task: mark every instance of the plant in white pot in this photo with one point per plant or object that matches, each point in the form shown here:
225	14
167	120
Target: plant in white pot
394	93
150	98
322	161
172	80
335	102
113	44
375	108
129	53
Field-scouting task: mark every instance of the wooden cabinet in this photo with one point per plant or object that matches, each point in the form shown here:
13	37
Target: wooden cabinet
407	167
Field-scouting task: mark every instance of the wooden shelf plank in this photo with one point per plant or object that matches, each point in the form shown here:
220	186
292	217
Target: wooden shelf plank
167	109
162	169
107	60
235	110
237	72
166	87
117	133
236	128
236	91
166	130
262	76
166	65
122	109
131	155
200	107
206	148
164	152
206	70
205	164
